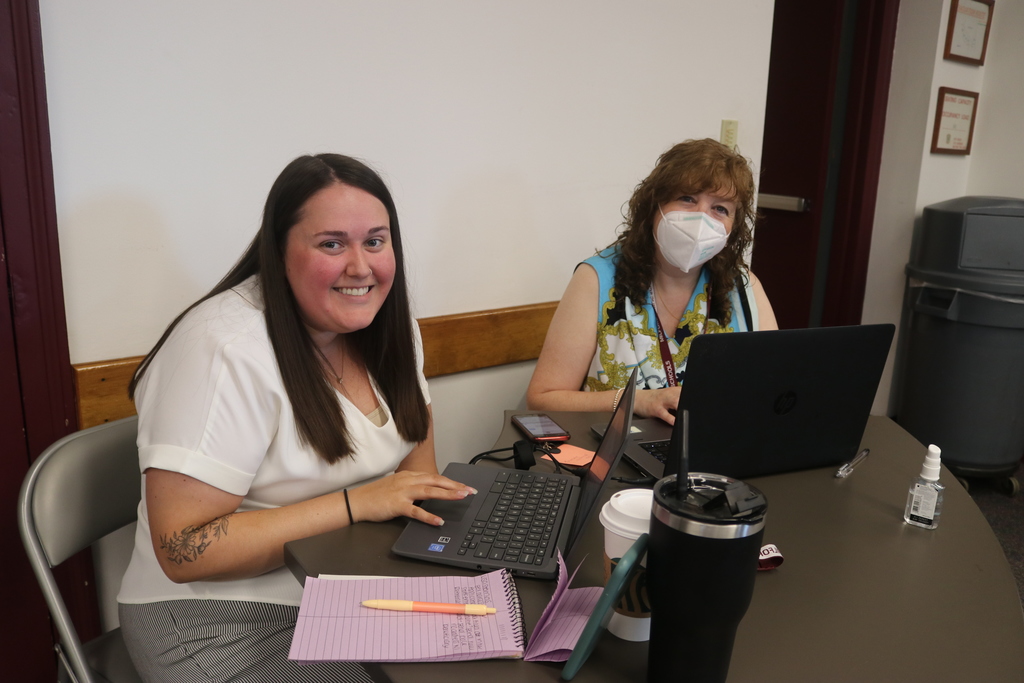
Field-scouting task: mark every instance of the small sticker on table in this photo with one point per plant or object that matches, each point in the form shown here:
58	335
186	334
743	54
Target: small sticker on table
770	557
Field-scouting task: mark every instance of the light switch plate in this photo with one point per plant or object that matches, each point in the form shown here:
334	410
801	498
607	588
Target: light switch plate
730	133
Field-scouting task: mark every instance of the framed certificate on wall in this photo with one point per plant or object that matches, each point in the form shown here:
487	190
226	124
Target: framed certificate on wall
954	121
967	30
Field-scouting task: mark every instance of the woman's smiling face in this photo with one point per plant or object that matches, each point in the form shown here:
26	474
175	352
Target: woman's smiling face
339	260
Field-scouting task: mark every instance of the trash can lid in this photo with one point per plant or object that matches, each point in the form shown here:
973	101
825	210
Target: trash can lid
997	206
974	243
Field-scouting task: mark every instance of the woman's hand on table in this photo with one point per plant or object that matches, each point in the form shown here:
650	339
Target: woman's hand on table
395	495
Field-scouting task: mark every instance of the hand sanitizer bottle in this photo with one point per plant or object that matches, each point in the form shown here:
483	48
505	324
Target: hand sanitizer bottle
924	502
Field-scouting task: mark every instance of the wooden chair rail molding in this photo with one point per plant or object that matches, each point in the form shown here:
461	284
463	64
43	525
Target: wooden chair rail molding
451	343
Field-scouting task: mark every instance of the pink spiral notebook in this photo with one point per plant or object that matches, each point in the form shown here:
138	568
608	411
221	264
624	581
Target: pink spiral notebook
334	626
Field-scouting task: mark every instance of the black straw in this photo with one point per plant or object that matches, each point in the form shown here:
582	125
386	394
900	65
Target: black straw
683	477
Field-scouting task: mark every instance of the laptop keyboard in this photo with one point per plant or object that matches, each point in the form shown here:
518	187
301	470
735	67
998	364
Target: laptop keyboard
517	522
659	449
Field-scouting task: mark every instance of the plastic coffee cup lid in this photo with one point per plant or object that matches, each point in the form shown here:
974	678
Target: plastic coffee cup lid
628	513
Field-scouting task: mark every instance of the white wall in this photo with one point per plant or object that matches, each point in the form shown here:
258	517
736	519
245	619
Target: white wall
911	176
998	148
511	133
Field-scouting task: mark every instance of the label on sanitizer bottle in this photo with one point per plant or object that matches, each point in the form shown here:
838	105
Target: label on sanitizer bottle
922	510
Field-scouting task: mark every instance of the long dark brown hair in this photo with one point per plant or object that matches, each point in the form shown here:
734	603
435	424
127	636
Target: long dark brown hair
690	167
386	345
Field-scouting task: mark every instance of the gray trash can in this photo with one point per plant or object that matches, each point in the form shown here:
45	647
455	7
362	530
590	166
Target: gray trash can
960	371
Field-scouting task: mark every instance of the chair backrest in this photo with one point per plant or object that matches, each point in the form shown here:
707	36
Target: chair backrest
80	489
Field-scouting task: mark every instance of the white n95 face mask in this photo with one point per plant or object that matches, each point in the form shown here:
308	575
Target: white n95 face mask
689	239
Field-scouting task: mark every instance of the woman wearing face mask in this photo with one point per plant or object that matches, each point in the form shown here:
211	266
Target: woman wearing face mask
676	270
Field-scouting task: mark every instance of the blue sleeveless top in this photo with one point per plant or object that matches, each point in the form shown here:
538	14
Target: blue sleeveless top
627	335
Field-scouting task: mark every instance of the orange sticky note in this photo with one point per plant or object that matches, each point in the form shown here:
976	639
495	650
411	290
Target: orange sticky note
573	456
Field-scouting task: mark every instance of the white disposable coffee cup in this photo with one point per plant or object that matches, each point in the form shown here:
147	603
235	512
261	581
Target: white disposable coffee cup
624	518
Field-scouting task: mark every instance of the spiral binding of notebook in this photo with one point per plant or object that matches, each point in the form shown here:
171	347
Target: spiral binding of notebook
515	607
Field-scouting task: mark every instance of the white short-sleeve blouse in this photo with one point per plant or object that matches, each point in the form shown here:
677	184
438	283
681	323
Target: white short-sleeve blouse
212	405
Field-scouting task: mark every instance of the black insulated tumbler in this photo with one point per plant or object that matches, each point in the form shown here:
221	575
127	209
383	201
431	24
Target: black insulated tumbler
701	562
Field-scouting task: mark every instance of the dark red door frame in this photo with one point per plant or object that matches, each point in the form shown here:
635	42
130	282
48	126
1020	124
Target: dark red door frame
34	355
30	232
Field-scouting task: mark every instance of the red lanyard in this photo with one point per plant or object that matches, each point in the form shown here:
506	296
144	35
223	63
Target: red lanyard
666	352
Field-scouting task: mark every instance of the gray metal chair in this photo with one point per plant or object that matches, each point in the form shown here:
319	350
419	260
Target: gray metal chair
80	489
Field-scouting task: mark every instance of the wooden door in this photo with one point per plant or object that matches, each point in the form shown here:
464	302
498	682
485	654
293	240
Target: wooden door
798	111
828	89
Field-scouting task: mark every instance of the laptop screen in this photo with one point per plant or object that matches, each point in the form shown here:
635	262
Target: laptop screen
777	401
605	460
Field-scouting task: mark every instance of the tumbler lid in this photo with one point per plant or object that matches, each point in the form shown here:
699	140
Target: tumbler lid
712	505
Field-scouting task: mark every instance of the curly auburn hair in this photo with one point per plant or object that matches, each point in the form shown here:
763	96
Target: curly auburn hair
690	167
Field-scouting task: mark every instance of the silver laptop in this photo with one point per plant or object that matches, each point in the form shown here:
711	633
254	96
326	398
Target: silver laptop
764	403
519	518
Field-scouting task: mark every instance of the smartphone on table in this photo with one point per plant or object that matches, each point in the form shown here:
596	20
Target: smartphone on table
540	428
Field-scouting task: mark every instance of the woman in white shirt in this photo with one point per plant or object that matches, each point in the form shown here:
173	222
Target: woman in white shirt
287	402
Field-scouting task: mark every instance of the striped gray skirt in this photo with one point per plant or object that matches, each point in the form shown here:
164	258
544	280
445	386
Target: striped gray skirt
225	640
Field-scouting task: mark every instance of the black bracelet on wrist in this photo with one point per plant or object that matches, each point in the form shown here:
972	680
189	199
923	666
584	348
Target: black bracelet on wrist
348	506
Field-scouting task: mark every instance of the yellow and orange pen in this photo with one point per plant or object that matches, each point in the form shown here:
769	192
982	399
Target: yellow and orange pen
437	607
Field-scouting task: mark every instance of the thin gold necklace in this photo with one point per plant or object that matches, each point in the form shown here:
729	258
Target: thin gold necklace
340	378
704	325
667	309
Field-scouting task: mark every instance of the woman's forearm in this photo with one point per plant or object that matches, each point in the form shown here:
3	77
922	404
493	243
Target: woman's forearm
197	536
579	401
244	544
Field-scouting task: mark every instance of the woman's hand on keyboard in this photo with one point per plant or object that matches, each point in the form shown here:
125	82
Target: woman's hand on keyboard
395	495
657	403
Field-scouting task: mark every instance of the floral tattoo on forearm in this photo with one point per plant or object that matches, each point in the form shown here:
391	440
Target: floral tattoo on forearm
193	541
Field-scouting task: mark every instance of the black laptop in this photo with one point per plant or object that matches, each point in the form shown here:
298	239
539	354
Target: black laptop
770	402
519	518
